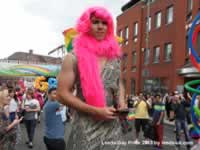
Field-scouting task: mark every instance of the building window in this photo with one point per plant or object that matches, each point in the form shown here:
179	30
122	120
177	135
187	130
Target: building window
189	5
148	24
126	35
134	58
156	55
124	62
170	11
133	69
135	31
124	83
168	52
121	33
158	19
146	56
132	86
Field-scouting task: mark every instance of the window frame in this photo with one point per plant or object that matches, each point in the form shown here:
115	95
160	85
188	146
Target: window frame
156	19
134	58
135	29
148	24
146	57
168	21
166	48
156	59
126	35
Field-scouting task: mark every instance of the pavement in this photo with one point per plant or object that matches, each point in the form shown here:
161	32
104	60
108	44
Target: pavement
128	142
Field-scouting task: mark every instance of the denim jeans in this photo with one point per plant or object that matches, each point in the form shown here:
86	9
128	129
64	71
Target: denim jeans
54	144
30	128
182	125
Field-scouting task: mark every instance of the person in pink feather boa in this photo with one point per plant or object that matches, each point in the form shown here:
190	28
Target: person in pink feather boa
96	52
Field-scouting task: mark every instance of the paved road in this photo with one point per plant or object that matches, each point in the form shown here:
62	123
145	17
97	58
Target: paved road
128	139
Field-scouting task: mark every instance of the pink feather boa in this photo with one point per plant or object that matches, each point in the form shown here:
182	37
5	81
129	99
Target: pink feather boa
88	50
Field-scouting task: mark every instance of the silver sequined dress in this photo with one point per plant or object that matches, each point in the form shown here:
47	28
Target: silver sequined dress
90	134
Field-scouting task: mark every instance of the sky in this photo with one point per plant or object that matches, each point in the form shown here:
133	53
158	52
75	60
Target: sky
38	24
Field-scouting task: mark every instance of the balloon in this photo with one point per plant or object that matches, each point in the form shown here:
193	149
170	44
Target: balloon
41	84
52	83
195	59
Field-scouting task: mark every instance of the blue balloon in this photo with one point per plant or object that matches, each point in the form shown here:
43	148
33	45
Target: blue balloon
52	83
190	44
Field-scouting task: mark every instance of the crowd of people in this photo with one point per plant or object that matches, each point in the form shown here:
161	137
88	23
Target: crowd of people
23	105
157	108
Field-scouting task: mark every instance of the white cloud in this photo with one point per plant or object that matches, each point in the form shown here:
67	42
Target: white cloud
38	24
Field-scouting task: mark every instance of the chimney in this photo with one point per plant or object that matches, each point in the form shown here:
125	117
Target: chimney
30	51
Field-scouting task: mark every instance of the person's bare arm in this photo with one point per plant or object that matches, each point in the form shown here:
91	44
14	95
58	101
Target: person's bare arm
122	102
66	80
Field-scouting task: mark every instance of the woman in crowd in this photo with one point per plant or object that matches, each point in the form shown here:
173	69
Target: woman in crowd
13	106
7	132
31	107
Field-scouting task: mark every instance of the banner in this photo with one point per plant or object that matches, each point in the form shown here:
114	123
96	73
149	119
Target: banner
12	69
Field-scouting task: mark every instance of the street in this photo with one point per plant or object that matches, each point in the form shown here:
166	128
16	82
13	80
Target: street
128	144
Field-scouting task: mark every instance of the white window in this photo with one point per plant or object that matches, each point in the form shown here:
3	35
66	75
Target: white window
158	19
148	24
170	11
121	33
126	35
134	58
135	29
156	54
168	52
146	56
132	86
189	5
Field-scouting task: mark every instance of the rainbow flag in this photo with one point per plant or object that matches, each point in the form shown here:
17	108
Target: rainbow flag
131	116
69	35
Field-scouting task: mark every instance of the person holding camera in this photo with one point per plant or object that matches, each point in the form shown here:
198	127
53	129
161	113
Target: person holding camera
7	131
31	108
178	106
141	114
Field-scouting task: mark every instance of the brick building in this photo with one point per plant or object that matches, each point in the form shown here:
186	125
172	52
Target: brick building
155	42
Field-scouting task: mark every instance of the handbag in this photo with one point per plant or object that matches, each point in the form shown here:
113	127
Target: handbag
149	131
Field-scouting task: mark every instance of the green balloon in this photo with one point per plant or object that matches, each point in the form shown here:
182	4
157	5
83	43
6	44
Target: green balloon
197	111
191	83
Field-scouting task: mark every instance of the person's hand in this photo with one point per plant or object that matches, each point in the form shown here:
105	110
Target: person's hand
27	109
106	113
122	106
16	117
158	123
17	121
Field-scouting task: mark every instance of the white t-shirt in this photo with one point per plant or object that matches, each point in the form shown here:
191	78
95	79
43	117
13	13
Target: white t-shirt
63	110
13	106
33	104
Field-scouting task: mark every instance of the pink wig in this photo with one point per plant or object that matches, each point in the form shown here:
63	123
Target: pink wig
88	50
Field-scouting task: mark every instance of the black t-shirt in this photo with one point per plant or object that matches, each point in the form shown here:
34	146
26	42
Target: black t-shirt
130	103
179	110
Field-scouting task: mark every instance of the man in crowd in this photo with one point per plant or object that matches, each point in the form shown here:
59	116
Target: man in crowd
141	114
178	106
158	116
54	125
